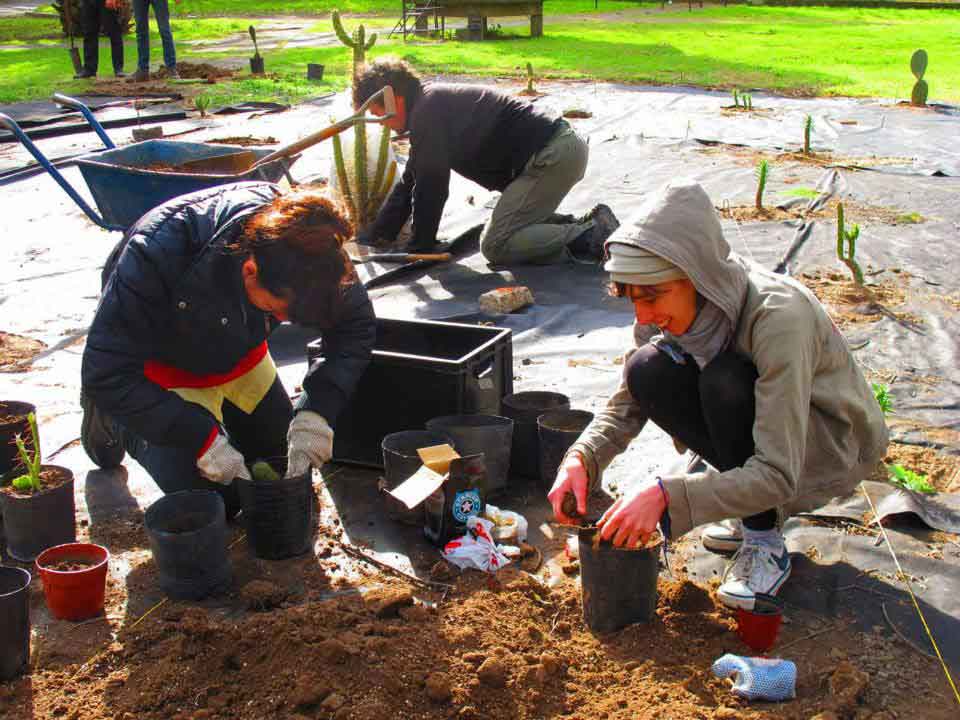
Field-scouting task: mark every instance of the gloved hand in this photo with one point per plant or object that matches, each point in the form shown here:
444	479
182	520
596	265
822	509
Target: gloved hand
222	463
309	442
759	678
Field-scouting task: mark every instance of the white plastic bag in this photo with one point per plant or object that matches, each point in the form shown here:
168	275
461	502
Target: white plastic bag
508	527
476	549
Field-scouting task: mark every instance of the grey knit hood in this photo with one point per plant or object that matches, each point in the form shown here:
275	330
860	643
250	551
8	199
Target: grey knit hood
679	223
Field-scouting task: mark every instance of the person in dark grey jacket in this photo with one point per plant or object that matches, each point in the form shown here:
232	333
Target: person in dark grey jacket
176	370
498	141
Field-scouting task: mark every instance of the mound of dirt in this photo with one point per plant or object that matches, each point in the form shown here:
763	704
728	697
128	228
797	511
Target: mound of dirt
17	352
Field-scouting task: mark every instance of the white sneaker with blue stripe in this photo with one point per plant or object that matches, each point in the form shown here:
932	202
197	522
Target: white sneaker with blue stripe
757	568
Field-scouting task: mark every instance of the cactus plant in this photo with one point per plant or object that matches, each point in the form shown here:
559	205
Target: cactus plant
736	98
358	42
918	66
747	101
29	481
847	246
361	186
202	103
807	129
530	89
262	471
763	174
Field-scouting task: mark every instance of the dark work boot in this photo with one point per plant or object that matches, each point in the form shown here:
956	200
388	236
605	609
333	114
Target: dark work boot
99	436
589	243
84	74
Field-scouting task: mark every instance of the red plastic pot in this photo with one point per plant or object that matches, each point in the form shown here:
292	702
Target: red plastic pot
759	628
74	594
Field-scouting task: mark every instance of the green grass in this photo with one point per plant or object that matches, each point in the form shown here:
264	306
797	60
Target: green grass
804	51
800	192
391	8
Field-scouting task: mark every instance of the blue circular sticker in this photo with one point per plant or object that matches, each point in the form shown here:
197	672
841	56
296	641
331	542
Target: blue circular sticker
465	504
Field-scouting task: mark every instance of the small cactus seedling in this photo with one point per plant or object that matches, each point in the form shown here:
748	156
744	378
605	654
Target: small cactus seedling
747	101
918	66
807	129
29	481
202	103
530	89
763	174
262	471
847	246
358	42
736	98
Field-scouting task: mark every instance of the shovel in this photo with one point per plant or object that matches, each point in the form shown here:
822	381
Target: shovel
232	165
359	254
68	26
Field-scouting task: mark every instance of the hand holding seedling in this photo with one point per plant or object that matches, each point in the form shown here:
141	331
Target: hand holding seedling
572	479
633	518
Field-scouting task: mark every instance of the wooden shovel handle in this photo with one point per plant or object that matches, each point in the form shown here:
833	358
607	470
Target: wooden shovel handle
434	257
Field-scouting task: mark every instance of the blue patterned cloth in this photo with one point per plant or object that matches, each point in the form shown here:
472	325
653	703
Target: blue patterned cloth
758	678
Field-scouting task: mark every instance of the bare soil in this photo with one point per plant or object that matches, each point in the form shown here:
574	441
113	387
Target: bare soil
50	478
70	565
17	352
850	305
245	141
940	468
493	648
744	155
854	212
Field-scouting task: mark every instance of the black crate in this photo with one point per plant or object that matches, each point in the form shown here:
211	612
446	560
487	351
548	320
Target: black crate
421	369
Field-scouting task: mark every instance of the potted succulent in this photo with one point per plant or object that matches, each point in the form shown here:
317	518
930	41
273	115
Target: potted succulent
38	506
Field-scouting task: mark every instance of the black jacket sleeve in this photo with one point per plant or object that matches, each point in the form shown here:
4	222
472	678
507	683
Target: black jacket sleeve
133	313
430	160
347	348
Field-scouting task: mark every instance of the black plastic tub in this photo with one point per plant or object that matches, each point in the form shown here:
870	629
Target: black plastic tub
524	408
278	515
618	586
14	622
34	522
557	431
400	461
490	435
188	536
421	369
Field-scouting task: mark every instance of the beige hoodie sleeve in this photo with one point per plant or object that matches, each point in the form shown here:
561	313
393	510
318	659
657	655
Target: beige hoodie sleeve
611	430
785	350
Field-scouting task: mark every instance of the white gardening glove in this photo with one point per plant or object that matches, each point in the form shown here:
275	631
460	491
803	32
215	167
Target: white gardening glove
222	463
309	442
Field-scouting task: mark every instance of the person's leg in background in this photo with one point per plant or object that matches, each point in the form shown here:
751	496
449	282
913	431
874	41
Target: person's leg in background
111	23
141	16
519	230
161	11
90	18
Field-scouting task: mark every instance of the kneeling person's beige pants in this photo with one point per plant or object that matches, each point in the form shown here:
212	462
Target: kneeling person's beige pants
519	230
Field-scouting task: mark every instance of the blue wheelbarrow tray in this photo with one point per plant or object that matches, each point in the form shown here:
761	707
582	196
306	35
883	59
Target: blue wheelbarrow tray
128	182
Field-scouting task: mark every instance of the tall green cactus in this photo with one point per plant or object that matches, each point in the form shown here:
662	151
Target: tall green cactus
848	238
530	88
736	98
807	129
358	42
918	66
763	174
364	197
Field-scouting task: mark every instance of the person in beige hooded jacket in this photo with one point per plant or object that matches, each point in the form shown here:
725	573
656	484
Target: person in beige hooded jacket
748	371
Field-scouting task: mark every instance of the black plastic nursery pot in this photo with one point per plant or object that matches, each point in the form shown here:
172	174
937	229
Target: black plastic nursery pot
524	408
13	422
314	71
188	536
618	585
400	461
278	515
557	431
14	622
34	522
490	435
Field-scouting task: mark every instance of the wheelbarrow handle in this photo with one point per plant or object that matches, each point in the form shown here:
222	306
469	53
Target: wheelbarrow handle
385	97
9	123
70	102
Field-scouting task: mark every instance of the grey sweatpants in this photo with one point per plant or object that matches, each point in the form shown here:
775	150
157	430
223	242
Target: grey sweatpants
520	231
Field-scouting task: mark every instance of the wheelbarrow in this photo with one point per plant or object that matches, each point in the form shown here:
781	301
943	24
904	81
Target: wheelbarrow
128	182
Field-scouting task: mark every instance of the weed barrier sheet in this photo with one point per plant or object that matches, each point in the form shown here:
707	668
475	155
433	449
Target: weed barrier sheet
571	339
